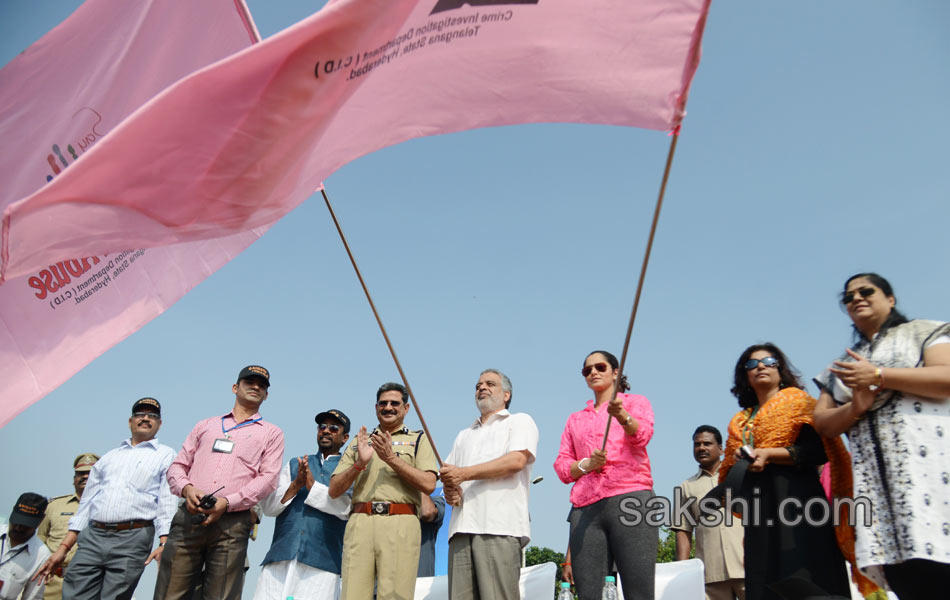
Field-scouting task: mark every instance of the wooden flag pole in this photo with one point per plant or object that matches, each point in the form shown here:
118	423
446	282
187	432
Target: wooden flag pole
379	321
643	273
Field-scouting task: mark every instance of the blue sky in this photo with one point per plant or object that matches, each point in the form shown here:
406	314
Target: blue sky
813	148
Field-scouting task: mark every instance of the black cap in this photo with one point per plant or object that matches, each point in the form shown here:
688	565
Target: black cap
335	414
255	371
149	403
29	510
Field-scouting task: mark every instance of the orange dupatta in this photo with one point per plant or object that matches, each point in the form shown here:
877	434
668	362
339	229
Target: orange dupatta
777	424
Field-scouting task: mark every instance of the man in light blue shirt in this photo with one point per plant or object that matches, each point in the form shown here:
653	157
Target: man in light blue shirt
126	502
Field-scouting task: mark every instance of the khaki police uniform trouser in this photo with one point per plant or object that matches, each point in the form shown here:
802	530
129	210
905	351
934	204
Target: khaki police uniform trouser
383	549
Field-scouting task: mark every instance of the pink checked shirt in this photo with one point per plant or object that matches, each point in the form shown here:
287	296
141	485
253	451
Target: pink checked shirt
248	473
628	466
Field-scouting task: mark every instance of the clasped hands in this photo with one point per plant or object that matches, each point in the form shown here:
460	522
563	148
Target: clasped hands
858	375
304	477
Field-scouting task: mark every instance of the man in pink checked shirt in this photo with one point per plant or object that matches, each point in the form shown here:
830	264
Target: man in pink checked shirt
235	458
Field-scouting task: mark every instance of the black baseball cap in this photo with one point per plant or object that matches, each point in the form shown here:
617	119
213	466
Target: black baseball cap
335	414
29	510
255	371
150	403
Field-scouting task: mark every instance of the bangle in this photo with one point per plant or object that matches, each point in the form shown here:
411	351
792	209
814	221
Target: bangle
358	467
565	564
629	420
878	380
582	469
161	544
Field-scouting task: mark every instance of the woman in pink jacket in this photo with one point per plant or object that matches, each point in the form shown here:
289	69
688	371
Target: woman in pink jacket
611	488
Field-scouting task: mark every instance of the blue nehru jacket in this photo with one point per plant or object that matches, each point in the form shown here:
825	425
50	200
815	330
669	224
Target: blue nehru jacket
311	536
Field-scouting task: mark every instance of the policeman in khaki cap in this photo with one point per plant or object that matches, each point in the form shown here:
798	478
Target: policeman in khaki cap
389	470
52	531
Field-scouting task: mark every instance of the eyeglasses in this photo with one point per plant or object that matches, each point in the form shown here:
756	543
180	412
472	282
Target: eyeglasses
385	403
768	361
866	292
333	428
588	369
146	415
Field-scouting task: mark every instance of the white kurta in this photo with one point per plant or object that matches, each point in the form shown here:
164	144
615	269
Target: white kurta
291	578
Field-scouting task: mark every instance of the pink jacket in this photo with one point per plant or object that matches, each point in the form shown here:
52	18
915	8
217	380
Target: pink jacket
628	466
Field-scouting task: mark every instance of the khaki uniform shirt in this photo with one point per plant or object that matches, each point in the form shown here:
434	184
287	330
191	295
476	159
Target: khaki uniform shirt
379	482
55	524
720	548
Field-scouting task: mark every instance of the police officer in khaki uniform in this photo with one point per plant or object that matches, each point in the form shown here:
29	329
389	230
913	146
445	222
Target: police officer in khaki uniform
52	530
389	470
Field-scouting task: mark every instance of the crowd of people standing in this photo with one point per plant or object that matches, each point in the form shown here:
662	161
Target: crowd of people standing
356	523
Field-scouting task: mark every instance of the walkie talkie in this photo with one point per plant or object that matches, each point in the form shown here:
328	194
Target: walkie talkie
207	502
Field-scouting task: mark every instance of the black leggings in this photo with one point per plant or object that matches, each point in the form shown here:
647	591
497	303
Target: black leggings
614	530
916	579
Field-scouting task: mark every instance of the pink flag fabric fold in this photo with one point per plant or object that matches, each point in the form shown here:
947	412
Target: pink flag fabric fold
240	143
59	100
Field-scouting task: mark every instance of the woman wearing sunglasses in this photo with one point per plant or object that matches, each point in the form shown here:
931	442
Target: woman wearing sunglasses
612	486
889	392
788	532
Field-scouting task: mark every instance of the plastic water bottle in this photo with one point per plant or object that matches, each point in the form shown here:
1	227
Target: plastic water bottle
565	592
610	588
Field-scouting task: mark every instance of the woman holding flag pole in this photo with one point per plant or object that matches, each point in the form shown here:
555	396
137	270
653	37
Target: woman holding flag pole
610	469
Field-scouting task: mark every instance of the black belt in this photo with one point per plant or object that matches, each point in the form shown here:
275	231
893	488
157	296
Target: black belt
123	526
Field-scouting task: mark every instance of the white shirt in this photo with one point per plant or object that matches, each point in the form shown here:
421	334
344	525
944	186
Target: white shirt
128	484
495	506
18	564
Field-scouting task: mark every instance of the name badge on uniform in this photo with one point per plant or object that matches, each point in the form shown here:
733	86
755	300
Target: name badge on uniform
223	445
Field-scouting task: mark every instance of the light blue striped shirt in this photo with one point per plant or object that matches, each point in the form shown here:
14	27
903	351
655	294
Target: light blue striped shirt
127	484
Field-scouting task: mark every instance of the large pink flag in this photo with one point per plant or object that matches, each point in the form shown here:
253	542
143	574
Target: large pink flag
60	99
239	144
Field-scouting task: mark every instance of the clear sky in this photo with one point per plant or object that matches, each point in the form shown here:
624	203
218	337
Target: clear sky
812	150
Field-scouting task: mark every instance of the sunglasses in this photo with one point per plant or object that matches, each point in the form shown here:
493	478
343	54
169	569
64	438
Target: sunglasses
385	403
332	427
866	292
601	368
768	361
145	415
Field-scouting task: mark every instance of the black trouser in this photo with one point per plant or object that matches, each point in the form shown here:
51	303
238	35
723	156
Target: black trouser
605	531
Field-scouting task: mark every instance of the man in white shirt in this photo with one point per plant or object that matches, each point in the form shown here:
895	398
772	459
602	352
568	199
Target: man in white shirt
125	503
22	554
486	478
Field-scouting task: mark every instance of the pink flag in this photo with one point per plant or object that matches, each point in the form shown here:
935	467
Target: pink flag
58	99
241	143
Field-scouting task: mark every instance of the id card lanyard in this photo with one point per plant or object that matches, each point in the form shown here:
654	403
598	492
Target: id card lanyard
225	444
238	426
3	548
